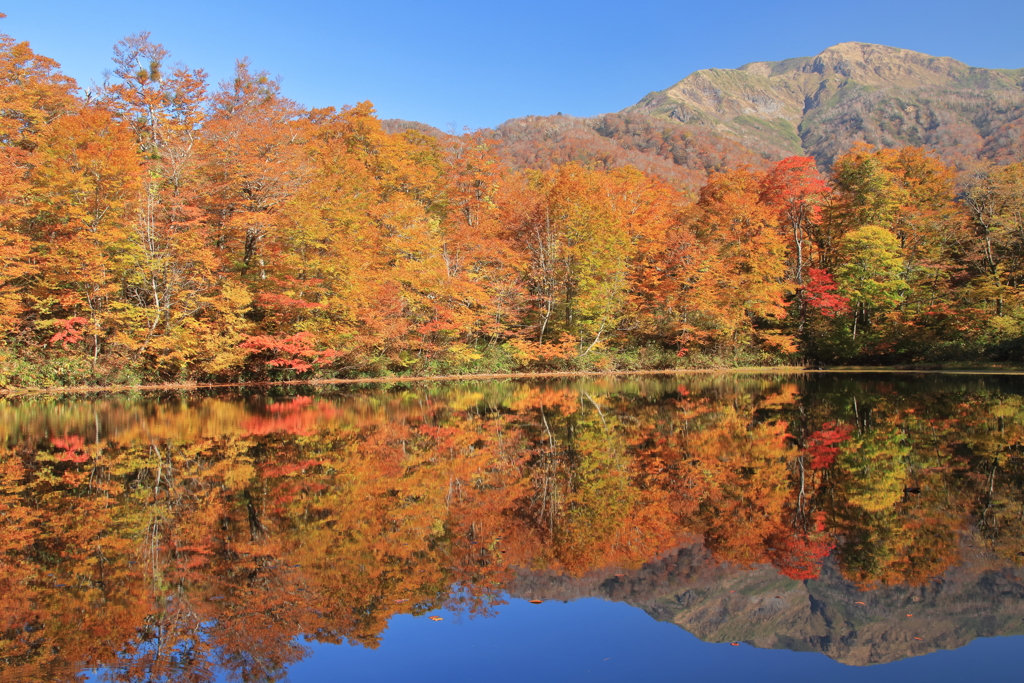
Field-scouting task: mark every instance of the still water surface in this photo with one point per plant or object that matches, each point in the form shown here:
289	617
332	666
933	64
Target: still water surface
746	527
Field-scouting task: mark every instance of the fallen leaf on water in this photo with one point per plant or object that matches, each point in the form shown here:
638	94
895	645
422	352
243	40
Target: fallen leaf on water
436	618
536	602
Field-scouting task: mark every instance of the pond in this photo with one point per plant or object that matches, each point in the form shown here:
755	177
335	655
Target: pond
846	526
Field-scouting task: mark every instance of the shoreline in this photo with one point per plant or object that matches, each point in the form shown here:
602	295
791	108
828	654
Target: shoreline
19	392
25	392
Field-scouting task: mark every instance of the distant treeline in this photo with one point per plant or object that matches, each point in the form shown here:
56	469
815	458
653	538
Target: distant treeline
159	229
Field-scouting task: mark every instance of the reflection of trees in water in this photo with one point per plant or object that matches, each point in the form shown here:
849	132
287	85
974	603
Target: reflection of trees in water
199	533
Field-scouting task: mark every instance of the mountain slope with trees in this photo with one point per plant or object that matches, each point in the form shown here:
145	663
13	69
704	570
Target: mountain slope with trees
681	155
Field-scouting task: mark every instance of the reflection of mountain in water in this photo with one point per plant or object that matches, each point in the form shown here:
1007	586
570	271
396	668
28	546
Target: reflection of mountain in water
723	603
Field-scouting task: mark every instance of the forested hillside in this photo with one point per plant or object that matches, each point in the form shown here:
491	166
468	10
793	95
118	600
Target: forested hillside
163	228
681	155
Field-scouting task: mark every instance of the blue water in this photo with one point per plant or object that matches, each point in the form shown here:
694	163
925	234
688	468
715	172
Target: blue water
593	640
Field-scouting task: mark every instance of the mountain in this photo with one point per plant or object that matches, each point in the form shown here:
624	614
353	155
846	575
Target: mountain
853	92
401	125
724	603
680	154
762	112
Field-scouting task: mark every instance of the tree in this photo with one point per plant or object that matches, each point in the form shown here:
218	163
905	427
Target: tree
252	163
86	187
33	96
994	200
750	286
797	191
871	275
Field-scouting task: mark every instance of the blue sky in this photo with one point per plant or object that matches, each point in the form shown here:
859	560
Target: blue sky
475	64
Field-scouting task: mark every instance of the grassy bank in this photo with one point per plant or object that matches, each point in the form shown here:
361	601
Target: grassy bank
22	374
953	369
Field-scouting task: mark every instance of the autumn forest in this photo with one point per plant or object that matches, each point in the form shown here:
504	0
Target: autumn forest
162	228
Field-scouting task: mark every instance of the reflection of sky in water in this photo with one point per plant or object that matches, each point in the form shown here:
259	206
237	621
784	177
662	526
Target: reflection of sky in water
594	640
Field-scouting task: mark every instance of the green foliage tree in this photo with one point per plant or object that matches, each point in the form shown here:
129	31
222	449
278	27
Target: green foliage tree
872	278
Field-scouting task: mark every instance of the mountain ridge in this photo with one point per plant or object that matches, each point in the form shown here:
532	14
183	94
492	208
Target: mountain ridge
851	92
720	602
761	112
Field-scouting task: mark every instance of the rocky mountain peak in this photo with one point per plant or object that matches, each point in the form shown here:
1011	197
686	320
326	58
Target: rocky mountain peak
851	92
